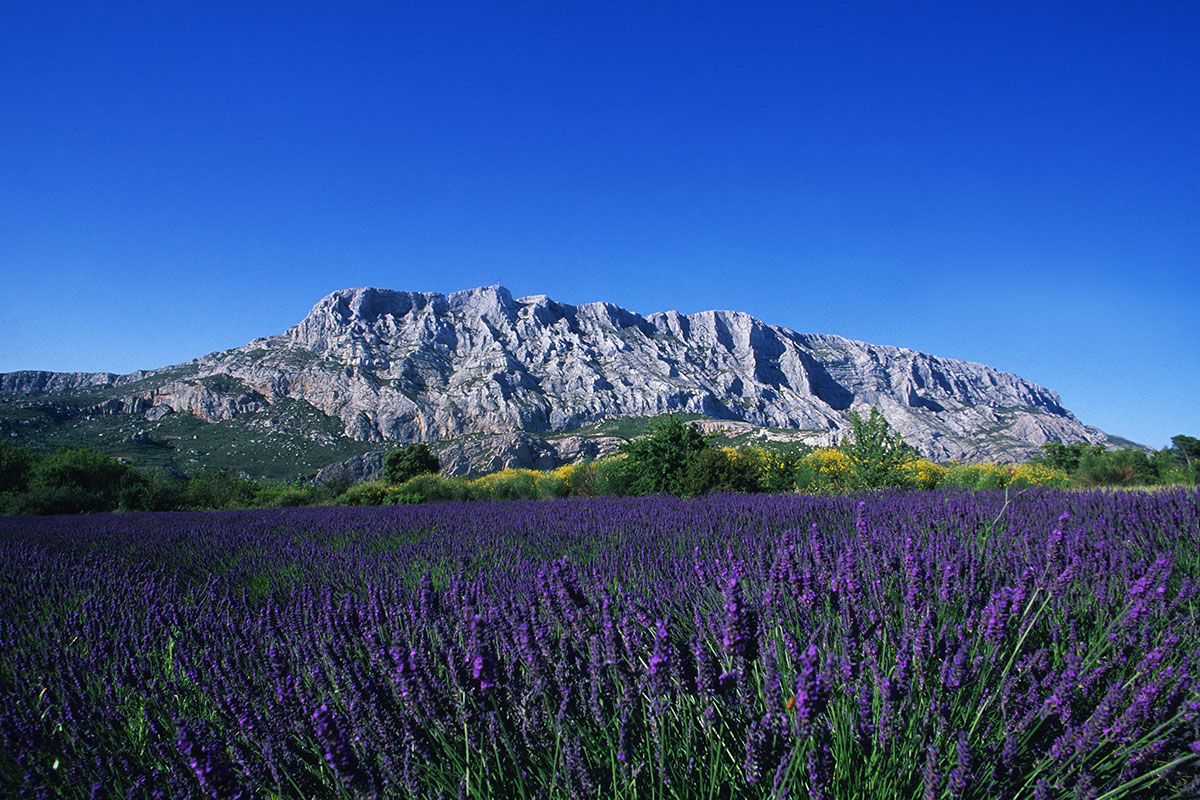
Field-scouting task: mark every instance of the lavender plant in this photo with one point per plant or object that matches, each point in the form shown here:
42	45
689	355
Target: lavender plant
925	645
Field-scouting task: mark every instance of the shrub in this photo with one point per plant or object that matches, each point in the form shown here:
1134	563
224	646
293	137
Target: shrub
76	480
659	460
581	479
287	497
921	473
1067	456
16	467
367	493
1116	468
1036	474
549	485
615	476
976	476
999	476
407	462
824	471
720	470
135	492
42	499
875	454
426	488
219	488
507	484
776	471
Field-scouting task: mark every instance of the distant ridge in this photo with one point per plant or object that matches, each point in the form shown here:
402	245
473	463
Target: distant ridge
422	366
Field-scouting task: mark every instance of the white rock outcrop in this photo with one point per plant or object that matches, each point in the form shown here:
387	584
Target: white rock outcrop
414	366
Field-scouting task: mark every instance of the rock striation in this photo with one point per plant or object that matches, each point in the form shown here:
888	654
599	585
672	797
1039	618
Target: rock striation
398	366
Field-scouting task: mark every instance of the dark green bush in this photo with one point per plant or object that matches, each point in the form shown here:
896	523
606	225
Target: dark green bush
16	467
287	497
408	462
715	470
72	480
220	488
614	477
42	499
659	460
1116	468
1067	456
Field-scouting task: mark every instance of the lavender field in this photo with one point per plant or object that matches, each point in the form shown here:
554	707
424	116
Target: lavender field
908	645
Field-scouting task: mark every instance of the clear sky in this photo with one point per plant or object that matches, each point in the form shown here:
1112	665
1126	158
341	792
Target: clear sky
1016	184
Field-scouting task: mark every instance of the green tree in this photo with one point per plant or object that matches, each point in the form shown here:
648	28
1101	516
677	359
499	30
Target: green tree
16	467
1188	448
1068	456
75	480
874	452
219	488
408	462
1123	467
659	460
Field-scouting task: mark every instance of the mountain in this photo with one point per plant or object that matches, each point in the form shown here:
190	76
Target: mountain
375	365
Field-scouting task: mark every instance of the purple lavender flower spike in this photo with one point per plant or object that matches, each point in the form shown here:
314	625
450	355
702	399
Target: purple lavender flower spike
930	780
810	690
480	661
660	667
740	637
213	772
337	751
956	782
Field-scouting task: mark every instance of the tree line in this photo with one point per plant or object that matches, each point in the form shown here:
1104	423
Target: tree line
673	458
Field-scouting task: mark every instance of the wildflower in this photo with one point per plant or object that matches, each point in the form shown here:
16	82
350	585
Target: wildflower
479	656
956	783
740	634
811	692
337	750
930	780
211	770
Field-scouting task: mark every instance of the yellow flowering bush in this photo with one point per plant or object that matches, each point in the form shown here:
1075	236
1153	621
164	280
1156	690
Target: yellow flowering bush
776	471
579	478
507	484
999	476
921	473
368	493
824	470
1035	474
517	484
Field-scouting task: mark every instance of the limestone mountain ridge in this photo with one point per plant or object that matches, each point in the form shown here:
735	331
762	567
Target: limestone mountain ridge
397	366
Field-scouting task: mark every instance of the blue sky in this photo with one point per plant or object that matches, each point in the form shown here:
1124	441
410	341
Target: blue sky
1016	184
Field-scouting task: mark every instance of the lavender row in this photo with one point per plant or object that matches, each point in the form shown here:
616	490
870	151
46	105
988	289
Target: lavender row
906	645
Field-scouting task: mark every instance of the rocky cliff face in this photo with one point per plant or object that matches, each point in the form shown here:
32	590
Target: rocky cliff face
411	366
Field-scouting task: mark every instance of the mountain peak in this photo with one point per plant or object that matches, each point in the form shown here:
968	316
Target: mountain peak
420	366
495	294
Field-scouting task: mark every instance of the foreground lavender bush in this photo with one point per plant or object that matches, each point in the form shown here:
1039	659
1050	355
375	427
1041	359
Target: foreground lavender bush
902	645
